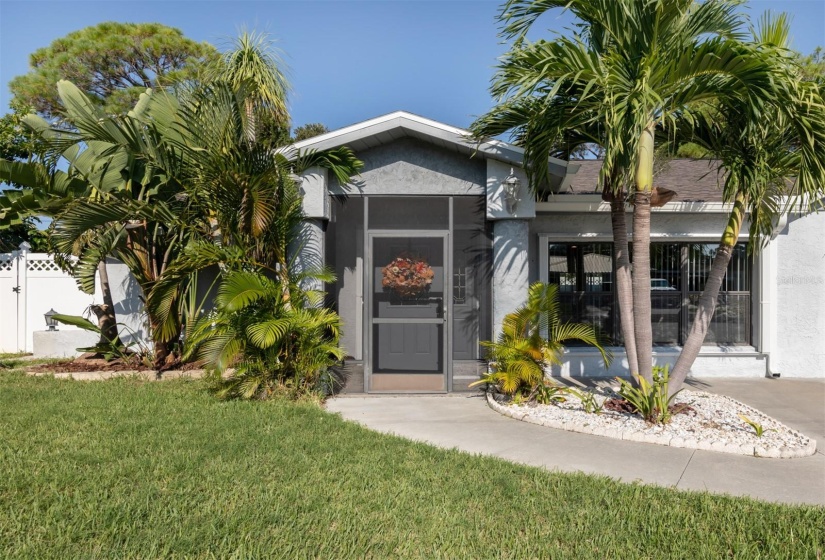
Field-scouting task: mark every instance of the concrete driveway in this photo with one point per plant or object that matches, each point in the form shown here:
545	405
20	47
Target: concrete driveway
465	422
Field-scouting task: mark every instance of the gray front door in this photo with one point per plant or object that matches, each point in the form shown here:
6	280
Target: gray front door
408	312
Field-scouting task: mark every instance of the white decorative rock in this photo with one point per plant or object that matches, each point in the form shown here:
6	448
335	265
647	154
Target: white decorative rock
713	425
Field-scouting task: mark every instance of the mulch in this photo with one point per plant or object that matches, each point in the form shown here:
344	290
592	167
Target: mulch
91	363
94	363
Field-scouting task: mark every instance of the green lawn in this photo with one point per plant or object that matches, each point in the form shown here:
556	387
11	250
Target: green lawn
131	469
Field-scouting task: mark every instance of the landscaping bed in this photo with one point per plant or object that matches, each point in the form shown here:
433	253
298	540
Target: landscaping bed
700	421
90	364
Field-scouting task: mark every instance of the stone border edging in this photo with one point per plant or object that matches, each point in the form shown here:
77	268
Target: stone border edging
662	439
144	375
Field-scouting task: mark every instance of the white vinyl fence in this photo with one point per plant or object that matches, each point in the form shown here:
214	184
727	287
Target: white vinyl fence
31	284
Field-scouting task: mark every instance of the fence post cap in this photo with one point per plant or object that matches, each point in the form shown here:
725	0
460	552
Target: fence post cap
25	246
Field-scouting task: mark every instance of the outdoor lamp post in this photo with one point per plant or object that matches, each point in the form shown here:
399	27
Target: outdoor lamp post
511	185
51	322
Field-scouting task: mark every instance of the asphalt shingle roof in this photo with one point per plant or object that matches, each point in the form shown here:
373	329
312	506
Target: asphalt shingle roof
693	180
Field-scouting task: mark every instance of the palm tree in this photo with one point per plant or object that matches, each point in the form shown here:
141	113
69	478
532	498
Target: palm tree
108	202
246	189
179	166
532	338
631	65
252	65
773	160
267	343
556	128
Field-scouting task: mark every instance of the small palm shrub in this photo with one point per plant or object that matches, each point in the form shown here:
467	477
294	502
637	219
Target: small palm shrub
275	345
589	402
758	429
532	339
650	400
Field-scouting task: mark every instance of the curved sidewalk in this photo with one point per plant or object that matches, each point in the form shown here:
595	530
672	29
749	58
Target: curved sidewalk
465	422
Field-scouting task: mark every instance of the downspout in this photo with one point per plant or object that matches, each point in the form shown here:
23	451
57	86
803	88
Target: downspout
768	285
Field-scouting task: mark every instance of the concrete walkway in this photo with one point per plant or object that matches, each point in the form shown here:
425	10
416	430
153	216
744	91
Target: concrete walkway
465	422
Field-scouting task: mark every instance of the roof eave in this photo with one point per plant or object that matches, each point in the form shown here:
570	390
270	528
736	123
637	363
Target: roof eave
494	149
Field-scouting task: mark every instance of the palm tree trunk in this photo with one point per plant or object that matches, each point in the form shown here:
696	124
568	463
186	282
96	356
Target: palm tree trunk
249	107
624	280
707	301
162	350
642	326
105	313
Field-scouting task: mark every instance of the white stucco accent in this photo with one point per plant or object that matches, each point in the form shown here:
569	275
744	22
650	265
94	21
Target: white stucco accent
314	190
800	299
733	361
588	203
510	268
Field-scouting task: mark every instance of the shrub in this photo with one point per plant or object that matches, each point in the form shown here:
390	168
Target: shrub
531	340
650	400
590	404
276	345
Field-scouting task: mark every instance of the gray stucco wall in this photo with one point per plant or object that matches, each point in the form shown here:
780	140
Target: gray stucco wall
800	299
344	252
412	167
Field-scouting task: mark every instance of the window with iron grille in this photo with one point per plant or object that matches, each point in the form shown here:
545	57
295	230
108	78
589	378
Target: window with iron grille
678	273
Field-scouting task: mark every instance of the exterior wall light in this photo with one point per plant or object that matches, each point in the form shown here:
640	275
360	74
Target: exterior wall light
511	187
51	322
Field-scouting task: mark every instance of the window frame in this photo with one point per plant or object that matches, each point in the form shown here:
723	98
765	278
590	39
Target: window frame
684	243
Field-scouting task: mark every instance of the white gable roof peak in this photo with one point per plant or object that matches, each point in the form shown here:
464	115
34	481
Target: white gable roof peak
393	126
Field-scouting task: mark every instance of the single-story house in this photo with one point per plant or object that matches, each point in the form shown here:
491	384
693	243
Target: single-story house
439	238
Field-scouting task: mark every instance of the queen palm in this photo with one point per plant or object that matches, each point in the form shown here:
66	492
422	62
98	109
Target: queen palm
630	66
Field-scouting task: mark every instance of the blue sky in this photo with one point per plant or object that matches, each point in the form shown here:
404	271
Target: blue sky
349	60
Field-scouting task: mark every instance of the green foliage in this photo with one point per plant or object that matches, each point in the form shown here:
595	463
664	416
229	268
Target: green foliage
691	150
272	344
112	63
813	66
130	469
758	428
548	392
588	399
17	142
254	65
12	236
651	400
625	64
109	349
531	340
158	186
309	131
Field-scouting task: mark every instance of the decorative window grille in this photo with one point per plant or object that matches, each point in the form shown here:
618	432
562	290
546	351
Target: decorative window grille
678	273
460	285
